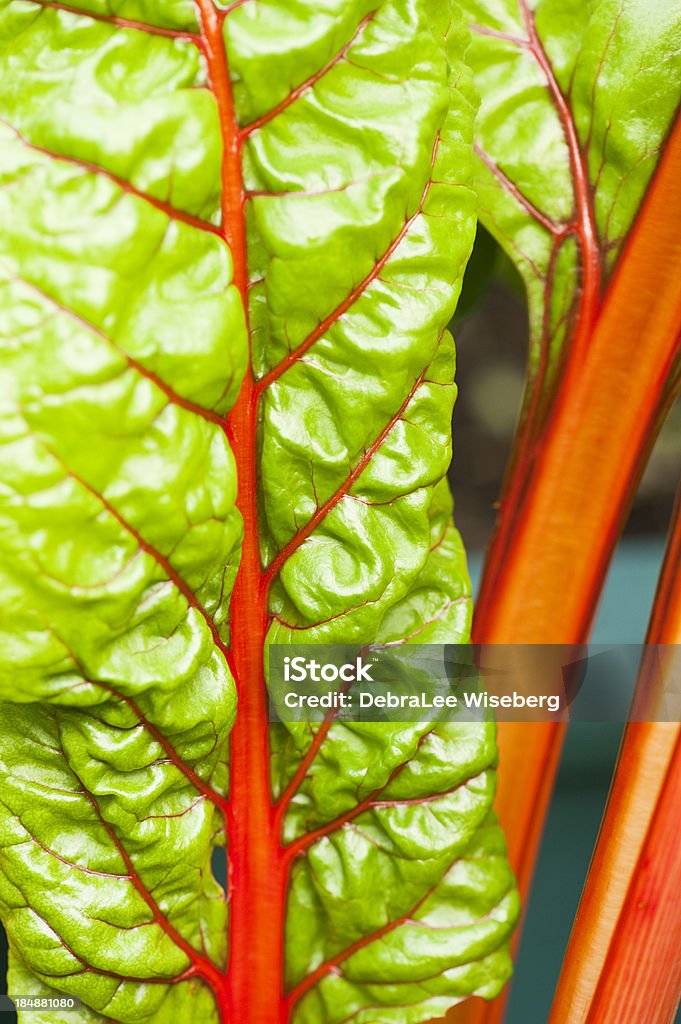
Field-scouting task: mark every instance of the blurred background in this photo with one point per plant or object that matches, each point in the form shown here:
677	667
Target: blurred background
491	334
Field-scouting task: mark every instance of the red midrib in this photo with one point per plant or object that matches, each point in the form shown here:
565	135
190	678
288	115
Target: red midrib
257	879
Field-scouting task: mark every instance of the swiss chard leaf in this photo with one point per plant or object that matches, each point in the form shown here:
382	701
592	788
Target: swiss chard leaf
192	178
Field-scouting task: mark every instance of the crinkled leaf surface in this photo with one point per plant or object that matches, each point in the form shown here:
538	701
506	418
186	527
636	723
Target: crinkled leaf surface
155	217
577	98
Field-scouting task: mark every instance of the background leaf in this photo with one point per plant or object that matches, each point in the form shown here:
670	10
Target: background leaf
576	101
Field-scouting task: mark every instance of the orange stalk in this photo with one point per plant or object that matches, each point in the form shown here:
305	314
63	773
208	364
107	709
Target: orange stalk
622	964
547	579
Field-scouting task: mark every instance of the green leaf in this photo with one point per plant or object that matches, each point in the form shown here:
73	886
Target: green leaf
156	536
577	98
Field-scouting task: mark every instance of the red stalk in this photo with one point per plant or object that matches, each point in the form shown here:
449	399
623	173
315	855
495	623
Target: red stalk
665	620
641	981
609	403
529	759
622	964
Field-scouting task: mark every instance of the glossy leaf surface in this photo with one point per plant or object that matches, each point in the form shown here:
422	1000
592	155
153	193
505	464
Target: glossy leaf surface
192	178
